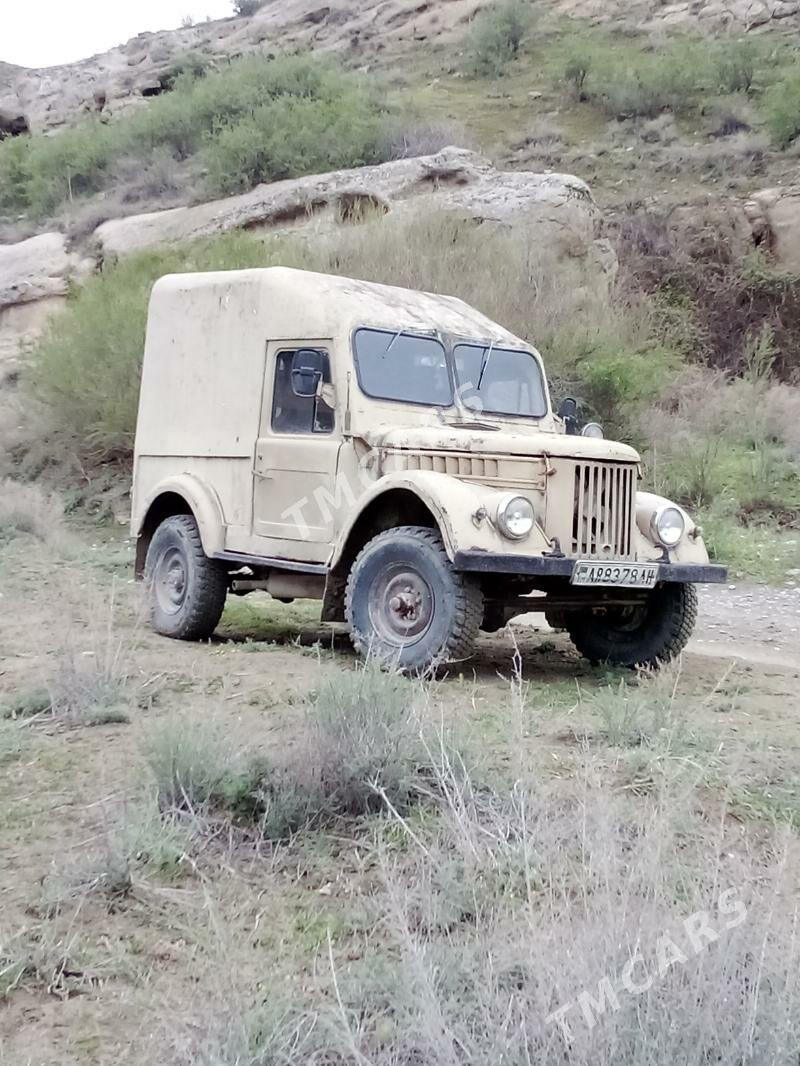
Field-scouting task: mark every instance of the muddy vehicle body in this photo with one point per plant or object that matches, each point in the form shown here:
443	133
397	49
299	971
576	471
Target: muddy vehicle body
395	455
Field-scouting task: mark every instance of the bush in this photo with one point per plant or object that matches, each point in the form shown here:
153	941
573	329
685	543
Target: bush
736	67
365	741
274	99
28	509
647	87
782	111
615	383
282	139
576	71
497	37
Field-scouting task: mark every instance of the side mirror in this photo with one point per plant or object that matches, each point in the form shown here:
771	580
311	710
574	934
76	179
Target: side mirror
307	371
568	409
568	412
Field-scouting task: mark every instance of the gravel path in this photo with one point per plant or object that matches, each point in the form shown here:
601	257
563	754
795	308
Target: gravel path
756	622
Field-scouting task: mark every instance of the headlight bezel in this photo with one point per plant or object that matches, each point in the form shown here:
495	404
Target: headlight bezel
656	526
502	519
593	431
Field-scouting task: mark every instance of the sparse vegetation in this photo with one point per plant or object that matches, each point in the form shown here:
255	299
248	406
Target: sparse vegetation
29	509
782	110
497	36
366	737
279	117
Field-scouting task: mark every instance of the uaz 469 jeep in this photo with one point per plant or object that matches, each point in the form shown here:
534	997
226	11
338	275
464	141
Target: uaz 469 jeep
395	455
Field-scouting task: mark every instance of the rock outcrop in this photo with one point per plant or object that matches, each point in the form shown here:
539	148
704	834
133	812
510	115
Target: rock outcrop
356	29
774	217
557	211
34	278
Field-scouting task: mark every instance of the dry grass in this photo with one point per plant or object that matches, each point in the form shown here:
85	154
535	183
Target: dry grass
89	682
666	934
29	509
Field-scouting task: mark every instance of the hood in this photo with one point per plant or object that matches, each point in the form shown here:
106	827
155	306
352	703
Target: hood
455	439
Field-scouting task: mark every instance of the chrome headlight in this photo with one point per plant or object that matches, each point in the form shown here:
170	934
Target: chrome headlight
594	430
515	517
668	526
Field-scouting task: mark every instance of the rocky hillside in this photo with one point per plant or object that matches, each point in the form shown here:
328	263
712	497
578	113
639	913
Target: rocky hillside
360	30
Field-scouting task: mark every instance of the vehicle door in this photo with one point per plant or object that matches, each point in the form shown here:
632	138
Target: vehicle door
296	455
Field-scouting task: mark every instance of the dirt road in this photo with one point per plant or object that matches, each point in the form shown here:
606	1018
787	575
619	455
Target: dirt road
752	622
756	623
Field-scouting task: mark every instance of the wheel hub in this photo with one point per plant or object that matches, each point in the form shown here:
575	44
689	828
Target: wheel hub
170	581
401	605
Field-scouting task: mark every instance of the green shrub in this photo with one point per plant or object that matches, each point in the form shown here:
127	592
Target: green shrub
192	765
736	67
497	37
782	111
647	87
365	741
300	136
576	71
302	113
616	383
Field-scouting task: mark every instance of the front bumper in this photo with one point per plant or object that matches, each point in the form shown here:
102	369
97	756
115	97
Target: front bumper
480	562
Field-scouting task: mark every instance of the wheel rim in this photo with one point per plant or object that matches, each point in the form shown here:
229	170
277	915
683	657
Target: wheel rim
170	582
401	605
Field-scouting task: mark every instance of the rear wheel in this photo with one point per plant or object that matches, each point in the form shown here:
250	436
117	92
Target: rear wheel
655	632
407	605
186	589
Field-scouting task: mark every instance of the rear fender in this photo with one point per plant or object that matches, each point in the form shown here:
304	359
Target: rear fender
165	500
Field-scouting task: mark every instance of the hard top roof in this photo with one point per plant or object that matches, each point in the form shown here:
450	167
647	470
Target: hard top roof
306	304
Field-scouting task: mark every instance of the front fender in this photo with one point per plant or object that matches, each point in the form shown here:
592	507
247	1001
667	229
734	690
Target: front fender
692	547
454	505
200	498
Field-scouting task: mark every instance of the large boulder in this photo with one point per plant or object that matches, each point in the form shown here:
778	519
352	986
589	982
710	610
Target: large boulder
34	278
774	216
557	209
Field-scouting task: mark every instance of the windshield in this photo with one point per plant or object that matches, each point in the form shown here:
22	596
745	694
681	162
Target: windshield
416	368
402	366
499	381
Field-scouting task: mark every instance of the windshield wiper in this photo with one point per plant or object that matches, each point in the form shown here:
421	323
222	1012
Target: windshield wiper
487	355
393	341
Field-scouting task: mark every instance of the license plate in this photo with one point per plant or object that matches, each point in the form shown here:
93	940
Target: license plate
628	575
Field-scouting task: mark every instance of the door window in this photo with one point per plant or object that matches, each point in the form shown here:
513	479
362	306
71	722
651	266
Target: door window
299	414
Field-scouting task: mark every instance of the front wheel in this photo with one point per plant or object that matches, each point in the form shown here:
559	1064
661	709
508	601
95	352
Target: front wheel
648	635
186	589
406	604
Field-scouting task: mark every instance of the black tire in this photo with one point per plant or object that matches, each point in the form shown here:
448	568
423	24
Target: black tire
649	635
186	590
407	606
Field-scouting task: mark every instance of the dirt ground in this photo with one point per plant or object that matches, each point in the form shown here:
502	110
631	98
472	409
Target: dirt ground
120	982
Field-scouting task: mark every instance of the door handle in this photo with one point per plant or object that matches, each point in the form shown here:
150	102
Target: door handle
263	475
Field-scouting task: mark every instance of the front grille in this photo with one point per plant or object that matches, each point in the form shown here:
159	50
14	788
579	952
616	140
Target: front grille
498	471
604	505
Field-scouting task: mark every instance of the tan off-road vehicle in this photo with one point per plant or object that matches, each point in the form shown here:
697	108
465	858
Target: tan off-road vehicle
395	455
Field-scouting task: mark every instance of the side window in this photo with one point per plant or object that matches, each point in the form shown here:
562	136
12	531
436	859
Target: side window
299	414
